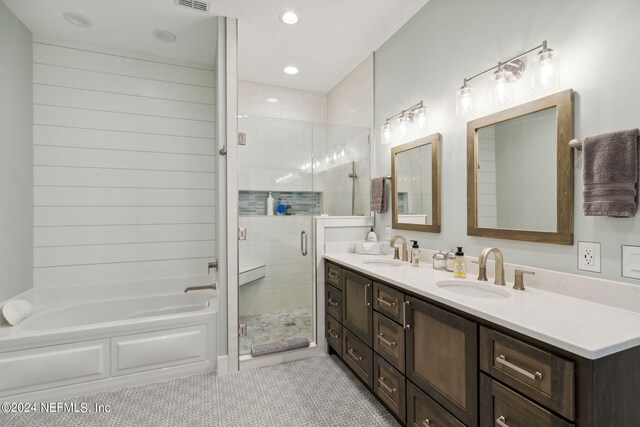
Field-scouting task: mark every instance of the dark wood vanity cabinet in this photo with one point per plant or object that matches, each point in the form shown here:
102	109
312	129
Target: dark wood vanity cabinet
441	357
357	313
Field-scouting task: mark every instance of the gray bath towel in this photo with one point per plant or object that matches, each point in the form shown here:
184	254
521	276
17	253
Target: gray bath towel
610	175
378	199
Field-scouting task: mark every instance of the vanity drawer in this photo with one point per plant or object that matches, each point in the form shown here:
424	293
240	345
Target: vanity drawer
358	356
499	406
388	301
388	340
544	377
334	302
423	411
334	334
332	274
389	386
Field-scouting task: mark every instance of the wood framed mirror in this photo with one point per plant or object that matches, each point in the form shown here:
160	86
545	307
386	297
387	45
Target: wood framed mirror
520	172
415	185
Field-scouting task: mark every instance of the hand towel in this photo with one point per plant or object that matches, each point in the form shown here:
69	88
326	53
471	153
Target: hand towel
610	174
378	202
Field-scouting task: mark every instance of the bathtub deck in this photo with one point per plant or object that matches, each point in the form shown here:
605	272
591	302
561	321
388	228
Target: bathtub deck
318	391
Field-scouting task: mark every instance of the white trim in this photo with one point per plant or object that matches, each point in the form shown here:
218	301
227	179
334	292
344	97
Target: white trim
223	365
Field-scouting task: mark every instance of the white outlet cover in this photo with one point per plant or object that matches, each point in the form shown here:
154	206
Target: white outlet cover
387	233
631	261
589	256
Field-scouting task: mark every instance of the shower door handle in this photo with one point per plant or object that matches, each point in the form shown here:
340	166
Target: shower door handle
303	243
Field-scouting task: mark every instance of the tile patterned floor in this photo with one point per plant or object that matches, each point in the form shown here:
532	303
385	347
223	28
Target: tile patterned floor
319	391
277	326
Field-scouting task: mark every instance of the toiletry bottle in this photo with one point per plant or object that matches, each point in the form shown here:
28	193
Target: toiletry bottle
281	209
270	204
459	268
451	259
415	254
371	237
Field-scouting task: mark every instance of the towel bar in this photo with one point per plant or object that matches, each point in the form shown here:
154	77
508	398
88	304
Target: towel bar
576	143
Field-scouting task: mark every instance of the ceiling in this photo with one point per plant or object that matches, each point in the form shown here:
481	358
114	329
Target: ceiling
331	38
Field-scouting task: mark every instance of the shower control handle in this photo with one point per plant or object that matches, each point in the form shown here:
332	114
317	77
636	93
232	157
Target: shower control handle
303	243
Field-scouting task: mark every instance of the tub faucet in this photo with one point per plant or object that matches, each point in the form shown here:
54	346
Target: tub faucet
482	262
201	288
396	255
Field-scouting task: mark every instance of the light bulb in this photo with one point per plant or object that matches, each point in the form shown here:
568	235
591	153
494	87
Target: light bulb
501	82
386	134
464	104
546	72
420	117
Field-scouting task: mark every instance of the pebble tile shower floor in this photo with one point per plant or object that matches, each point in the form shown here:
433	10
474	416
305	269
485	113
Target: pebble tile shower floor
318	391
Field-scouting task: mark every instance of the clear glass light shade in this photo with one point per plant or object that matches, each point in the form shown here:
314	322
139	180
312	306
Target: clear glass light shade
501	86
404	122
420	117
546	72
464	104
386	134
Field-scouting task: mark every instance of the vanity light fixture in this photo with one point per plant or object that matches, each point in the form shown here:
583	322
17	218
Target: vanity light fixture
289	18
411	118
505	74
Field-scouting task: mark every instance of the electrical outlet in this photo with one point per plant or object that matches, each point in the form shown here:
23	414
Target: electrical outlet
387	233
589	256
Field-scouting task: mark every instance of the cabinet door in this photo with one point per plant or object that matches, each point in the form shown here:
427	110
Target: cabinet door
441	358
357	313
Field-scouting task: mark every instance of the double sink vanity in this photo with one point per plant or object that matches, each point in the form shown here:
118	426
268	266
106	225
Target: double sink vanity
439	351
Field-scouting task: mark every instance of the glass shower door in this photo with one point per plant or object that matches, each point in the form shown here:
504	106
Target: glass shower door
276	259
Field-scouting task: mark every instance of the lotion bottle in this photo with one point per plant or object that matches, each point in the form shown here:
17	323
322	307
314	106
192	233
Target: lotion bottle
270	205
459	268
371	237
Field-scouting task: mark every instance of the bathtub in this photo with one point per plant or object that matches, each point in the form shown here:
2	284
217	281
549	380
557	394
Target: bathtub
86	347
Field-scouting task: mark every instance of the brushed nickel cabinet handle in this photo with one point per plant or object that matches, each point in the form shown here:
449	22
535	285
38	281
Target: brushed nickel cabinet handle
426	423
501	421
330	331
404	315
353	354
385	386
332	302
303	243
333	274
386	341
385	302
366	300
503	361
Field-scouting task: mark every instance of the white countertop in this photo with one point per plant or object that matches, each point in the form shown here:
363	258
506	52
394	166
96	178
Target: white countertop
582	327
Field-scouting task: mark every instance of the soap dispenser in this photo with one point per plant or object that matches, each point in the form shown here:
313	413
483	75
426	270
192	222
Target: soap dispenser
415	254
270	205
371	237
459	268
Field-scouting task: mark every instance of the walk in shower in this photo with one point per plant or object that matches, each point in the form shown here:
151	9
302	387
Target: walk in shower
311	169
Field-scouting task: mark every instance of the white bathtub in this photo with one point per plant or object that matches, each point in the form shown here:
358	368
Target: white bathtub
66	350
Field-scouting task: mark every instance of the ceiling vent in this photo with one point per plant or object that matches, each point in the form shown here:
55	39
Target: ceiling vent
200	6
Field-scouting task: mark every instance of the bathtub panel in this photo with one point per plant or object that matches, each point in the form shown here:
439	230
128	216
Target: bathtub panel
160	349
54	366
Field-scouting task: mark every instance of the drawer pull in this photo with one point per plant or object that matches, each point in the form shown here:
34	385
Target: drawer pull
386	341
404	315
503	360
332	302
336	336
353	354
426	423
366	300
333	275
385	302
501	421
385	386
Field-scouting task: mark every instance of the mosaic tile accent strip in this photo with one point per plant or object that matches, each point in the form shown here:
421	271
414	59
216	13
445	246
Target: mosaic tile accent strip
302	202
317	391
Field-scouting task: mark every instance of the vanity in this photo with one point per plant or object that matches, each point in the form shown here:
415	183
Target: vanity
437	357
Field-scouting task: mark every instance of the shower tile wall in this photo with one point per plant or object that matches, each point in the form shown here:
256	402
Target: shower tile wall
124	168
302	203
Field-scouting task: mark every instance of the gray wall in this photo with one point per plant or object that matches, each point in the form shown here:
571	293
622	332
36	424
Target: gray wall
16	156
452	39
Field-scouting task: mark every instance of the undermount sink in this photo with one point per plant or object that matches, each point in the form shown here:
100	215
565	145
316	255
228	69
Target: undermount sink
384	262
473	289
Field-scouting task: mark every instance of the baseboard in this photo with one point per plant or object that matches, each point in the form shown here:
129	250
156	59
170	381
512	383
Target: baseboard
223	365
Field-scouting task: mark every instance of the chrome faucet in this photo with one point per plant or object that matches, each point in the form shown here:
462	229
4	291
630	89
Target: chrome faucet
396	255
482	262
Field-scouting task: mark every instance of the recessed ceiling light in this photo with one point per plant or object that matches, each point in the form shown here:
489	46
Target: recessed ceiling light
289	18
291	70
164	36
272	100
77	19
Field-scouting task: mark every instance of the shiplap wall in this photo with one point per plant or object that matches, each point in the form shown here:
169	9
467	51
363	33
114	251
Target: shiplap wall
124	168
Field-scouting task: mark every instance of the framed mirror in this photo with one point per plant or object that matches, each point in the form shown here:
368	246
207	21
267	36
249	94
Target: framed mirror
520	172
415	185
